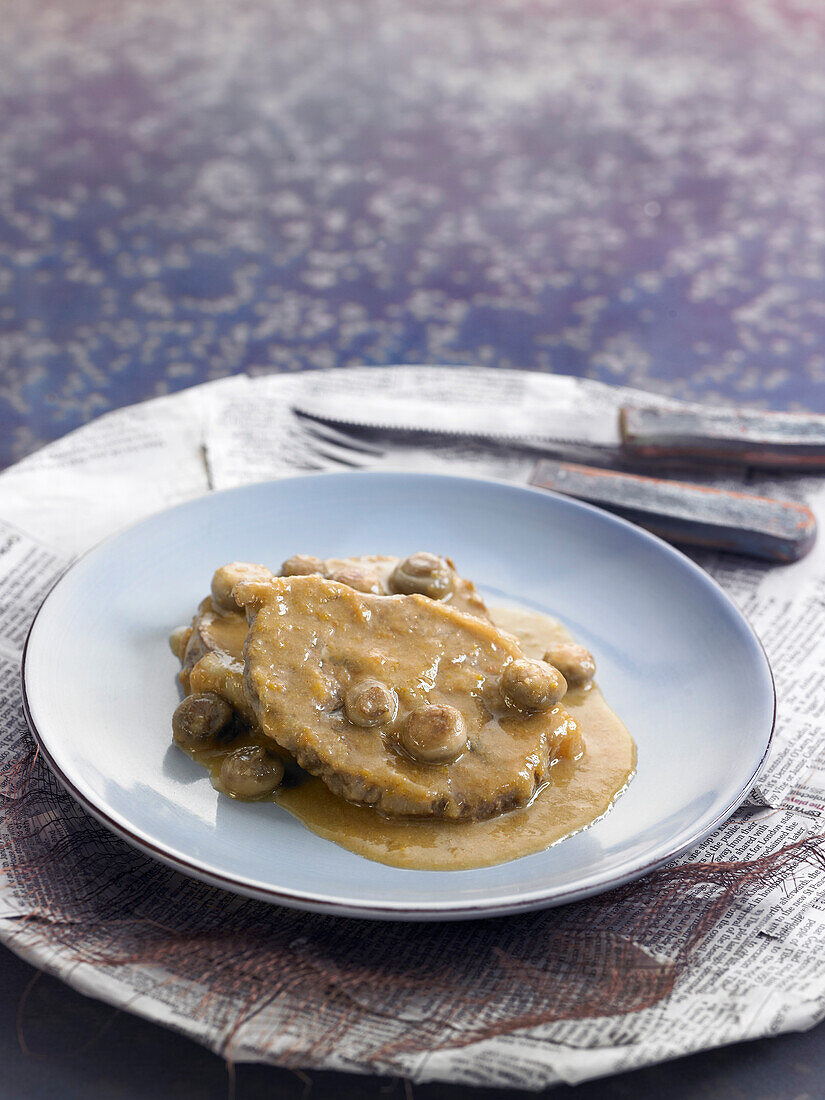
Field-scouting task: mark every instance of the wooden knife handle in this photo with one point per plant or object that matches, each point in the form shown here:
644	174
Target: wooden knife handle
788	441
693	515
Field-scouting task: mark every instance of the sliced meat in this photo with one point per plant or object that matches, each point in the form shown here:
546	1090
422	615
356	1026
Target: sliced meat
435	734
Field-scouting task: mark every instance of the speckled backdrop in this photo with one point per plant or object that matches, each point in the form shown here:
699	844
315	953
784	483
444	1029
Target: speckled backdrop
629	190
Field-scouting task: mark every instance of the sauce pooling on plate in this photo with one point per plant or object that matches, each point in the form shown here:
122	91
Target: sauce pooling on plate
456	743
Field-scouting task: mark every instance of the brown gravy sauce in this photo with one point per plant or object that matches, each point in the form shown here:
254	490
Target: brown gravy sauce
578	794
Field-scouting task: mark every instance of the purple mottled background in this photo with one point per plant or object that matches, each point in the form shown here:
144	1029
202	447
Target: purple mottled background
630	191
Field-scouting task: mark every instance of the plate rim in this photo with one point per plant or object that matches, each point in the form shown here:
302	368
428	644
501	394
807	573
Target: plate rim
419	910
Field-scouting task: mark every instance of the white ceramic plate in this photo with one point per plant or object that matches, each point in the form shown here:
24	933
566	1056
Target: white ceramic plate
676	661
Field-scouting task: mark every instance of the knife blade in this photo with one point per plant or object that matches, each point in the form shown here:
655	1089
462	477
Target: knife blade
437	418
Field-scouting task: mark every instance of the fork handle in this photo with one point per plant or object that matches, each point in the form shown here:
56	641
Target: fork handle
694	515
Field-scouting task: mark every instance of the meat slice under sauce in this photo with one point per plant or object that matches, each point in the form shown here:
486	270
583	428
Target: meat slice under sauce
403	702
211	649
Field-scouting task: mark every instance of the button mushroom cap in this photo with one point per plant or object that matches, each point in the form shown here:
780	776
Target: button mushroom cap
355	576
424	573
574	662
434	733
302	565
251	772
234	573
370	703
532	685
200	720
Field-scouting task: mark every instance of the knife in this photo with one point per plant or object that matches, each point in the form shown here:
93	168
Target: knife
635	433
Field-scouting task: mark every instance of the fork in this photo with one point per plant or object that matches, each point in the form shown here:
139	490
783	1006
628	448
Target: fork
336	448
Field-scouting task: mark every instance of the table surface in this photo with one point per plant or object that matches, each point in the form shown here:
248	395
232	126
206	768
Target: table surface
634	193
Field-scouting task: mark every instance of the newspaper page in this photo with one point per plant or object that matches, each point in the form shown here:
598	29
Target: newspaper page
756	971
114	471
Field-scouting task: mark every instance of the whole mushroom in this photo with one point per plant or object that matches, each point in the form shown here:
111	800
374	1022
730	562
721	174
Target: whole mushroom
574	662
251	772
434	733
532	685
201	720
370	703
302	565
423	573
179	639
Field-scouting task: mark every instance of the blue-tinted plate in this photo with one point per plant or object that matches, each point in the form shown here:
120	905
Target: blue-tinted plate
676	661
